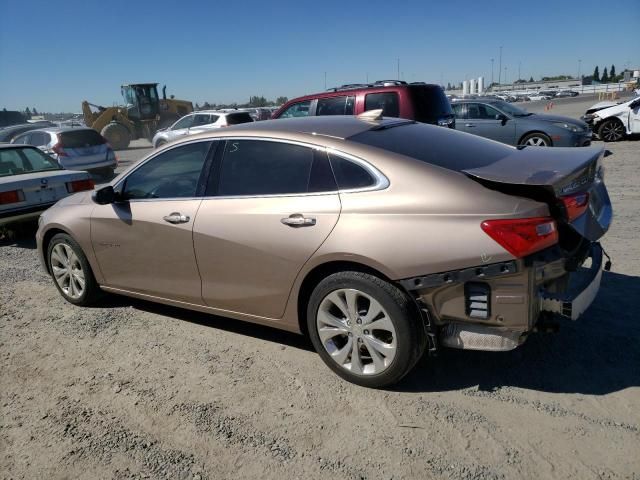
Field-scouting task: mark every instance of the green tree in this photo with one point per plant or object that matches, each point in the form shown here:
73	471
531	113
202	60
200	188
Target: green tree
281	100
27	113
531	80
605	76
612	73
257	101
34	111
596	75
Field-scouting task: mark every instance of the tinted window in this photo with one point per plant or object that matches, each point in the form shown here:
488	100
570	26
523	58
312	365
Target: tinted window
24	139
349	174
39	138
238	118
24	160
429	103
254	167
458	110
81	138
172	174
387	101
184	122
201	119
300	109
481	111
335	106
438	146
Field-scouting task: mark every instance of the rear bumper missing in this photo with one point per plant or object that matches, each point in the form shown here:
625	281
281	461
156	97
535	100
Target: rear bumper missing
583	288
494	307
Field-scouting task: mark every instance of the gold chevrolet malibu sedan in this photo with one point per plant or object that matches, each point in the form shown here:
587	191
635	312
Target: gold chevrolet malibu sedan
378	238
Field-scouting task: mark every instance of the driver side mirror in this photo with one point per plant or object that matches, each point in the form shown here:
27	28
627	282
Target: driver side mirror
502	117
105	195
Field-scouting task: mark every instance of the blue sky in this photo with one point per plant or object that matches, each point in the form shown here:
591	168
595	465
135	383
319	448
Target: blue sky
55	54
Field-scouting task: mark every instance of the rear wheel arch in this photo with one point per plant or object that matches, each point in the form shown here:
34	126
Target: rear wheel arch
320	272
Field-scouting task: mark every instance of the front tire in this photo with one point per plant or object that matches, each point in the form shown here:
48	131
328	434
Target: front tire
364	328
611	131
71	272
536	140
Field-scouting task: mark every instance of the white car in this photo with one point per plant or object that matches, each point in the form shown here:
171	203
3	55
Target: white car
199	122
615	122
538	96
31	181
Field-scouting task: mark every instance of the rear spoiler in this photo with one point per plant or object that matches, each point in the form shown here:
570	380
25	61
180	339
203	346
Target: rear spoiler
555	167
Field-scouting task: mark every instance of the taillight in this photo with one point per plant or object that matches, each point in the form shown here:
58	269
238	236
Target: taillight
575	205
522	236
58	149
13	196
80	185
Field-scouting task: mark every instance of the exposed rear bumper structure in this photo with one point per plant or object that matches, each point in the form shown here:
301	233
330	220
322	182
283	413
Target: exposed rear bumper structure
494	307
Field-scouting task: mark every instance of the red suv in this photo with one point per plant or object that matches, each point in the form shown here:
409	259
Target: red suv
416	101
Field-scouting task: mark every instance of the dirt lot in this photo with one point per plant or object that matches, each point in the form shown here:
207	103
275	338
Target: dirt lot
135	390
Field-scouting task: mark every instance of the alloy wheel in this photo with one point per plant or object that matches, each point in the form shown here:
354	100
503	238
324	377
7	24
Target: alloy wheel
356	331
536	142
67	270
612	131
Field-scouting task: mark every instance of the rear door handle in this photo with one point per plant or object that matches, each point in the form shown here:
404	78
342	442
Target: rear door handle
176	217
469	124
298	220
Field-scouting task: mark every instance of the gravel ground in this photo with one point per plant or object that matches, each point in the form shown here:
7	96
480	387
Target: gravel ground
132	390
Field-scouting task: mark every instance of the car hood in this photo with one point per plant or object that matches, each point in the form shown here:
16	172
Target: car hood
555	118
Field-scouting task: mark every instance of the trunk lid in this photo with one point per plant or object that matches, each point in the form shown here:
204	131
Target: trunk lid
547	174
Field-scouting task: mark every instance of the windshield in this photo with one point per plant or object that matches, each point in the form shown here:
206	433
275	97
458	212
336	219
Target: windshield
16	161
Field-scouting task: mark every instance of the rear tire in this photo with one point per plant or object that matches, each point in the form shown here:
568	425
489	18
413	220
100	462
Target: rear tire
117	135
71	272
364	328
611	130
536	140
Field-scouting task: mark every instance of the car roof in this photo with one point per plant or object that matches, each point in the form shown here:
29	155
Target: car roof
335	126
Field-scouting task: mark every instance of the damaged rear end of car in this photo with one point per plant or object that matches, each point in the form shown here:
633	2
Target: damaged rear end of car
557	258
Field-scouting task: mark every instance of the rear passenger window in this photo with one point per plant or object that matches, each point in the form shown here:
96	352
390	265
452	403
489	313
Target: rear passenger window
350	175
335	106
387	101
300	109
39	138
256	167
458	110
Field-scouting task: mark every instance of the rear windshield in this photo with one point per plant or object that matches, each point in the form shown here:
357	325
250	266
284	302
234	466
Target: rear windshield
14	161
81	138
430	103
237	118
436	145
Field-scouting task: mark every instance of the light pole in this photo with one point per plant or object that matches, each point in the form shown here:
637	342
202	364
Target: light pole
398	77
500	66
580	70
325	80
492	73
519	70
505	75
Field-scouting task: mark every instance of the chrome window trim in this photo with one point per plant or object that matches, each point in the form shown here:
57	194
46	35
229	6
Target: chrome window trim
381	181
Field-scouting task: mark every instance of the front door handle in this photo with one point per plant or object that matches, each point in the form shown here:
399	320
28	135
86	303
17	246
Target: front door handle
469	125
298	220
176	217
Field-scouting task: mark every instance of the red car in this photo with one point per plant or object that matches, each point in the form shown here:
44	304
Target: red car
416	101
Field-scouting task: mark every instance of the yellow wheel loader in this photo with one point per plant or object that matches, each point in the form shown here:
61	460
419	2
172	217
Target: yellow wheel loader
141	117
